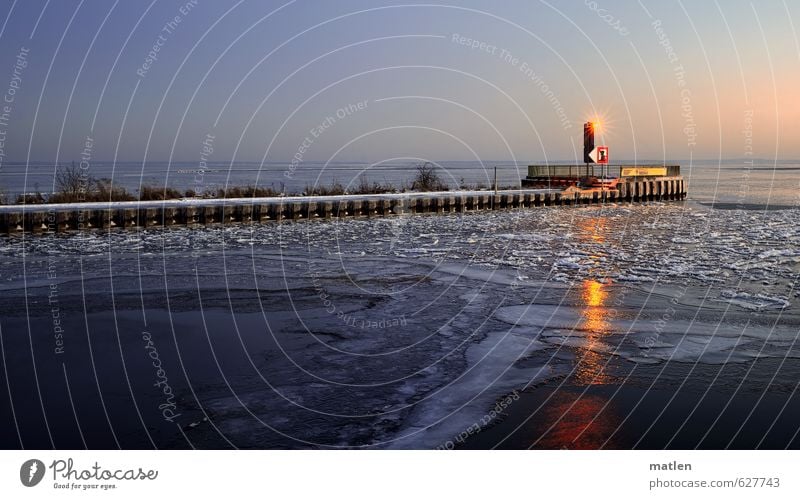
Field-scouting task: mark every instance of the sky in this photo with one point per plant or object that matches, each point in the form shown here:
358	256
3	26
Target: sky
373	80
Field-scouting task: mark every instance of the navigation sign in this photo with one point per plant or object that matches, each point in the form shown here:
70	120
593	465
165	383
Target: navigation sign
602	155
598	155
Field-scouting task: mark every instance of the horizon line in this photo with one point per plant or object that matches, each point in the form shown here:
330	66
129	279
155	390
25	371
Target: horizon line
362	162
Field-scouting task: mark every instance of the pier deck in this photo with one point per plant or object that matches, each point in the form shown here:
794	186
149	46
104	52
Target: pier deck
66	217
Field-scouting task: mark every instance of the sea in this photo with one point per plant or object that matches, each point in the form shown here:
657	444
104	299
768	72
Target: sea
620	326
743	181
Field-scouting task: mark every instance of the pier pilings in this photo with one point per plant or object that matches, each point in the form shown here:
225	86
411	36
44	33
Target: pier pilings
37	219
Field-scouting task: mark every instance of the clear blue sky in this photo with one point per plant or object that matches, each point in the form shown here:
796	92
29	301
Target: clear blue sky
259	76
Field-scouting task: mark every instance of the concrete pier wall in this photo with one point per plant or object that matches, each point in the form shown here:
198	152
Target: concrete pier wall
193	212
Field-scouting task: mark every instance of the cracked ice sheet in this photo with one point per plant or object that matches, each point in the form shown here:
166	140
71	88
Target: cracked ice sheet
648	341
492	374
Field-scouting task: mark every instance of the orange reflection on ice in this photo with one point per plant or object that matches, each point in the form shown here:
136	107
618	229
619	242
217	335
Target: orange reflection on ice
594	293
592	229
577	421
594	325
581	420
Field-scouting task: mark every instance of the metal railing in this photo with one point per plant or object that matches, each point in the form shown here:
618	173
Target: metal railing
594	170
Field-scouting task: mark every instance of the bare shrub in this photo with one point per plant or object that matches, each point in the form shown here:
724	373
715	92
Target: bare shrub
105	190
427	179
72	185
153	193
365	187
335	189
31	198
247	191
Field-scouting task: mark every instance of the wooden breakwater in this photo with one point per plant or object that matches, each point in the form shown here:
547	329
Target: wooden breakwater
67	217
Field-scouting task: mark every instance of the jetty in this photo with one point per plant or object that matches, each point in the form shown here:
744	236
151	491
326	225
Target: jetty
545	186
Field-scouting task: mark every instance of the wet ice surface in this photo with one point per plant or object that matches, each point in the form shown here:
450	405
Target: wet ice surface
398	332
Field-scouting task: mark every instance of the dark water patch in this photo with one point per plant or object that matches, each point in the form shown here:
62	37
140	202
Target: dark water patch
747	206
731	406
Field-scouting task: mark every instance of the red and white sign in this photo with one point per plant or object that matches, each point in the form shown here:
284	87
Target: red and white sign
602	155
599	155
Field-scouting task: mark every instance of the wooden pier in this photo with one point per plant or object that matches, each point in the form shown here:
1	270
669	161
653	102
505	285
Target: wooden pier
68	217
